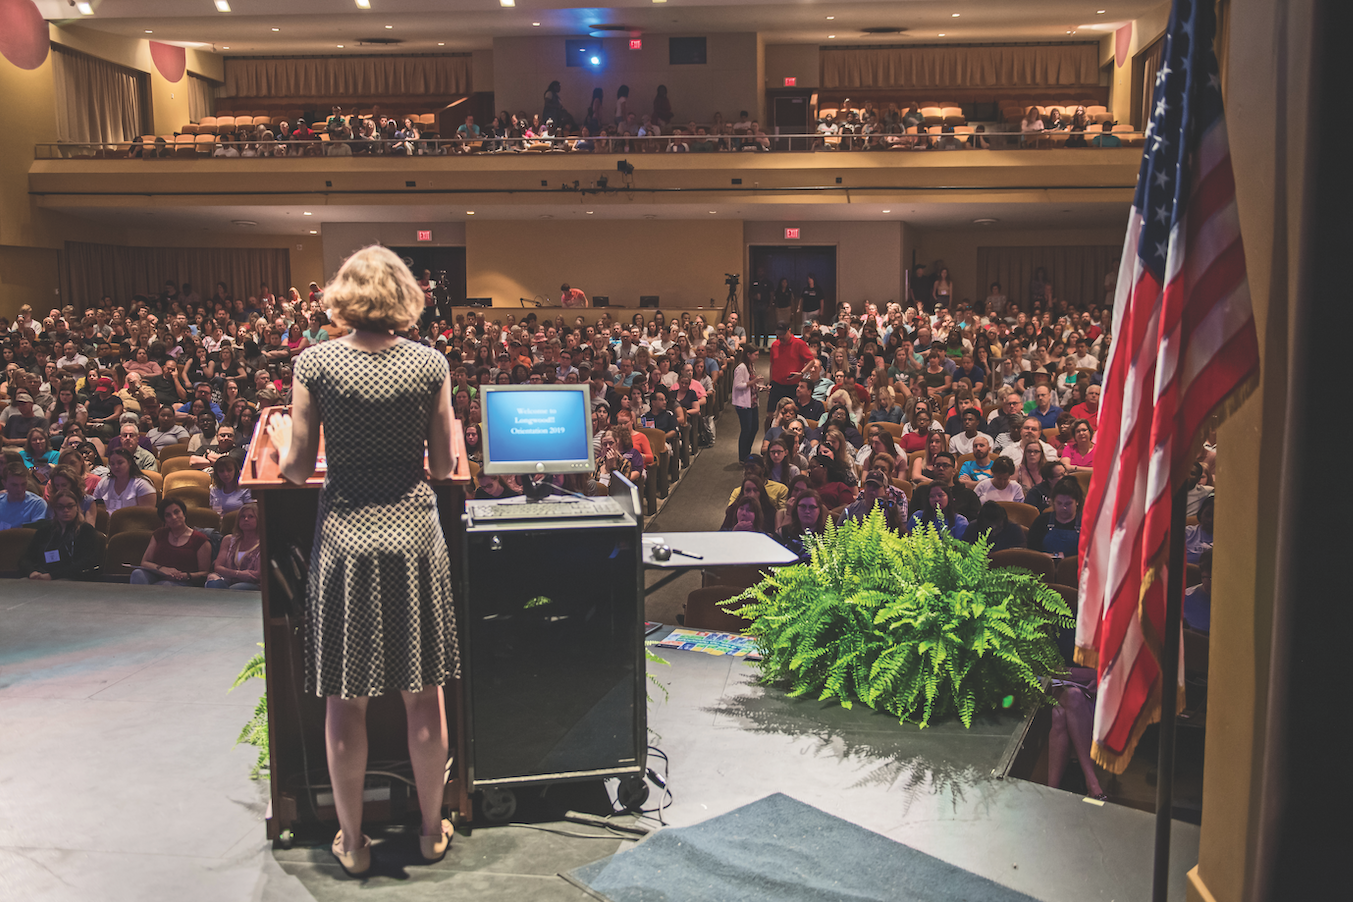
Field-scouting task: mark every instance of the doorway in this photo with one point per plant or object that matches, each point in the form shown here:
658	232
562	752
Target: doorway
447	265
771	263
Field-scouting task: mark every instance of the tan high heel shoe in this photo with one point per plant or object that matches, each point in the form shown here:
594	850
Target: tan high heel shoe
356	863
434	847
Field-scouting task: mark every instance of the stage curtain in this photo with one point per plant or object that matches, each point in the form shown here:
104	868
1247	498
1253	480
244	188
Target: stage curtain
1043	65
97	101
1150	66
353	76
93	270
201	97
1076	272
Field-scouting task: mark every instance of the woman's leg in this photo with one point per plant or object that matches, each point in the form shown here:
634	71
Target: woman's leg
141	577
217	582
426	714
1080	715
1058	745
747	417
243	586
345	744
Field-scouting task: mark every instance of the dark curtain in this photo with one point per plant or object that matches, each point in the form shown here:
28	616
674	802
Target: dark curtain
98	101
1076	272
351	76
1150	66
93	270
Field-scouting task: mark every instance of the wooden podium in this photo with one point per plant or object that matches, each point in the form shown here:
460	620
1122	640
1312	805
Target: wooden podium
295	719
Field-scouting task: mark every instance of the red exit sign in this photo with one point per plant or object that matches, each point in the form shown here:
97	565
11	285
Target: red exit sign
425	234
791	81
791	234
636	44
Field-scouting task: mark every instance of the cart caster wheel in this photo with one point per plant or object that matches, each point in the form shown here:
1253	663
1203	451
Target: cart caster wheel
498	804
632	793
285	839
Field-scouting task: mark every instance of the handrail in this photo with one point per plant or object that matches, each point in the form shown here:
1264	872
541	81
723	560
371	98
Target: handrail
164	148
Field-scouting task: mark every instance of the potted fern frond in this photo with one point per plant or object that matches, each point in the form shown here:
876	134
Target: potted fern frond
255	732
920	626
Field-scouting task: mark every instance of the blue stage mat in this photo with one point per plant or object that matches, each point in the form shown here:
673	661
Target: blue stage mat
778	849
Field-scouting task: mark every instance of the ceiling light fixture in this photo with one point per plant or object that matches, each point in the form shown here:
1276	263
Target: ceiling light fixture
1100	12
363	4
887	211
314	231
954	16
307	213
589	212
831	17
536	24
339	46
277	29
941	34
84	8
507	2
986	221
441	43
225	48
469	212
831	35
659	1
148	31
223	6
389	26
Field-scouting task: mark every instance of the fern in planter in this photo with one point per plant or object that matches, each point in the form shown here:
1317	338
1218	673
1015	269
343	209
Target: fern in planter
919	625
255	732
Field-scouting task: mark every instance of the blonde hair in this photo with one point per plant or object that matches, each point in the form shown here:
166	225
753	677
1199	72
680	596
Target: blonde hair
375	292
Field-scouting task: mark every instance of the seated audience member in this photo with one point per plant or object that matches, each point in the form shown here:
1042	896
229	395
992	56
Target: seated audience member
877	492
226	495
21	416
979	468
744	515
1080	453
1072	721
129	438
1044	411
992	520
64	547
778	467
922	469
239	564
1089	408
831	480
970	419
18	506
807	517
37	452
168	431
489	488
124	486
1198	599
962	500
1198	490
177	555
755	468
612	459
1058	529
1030	430
65	478
1002	485
1198	538
1106	137
1029	472
753	486
1041	495
931	505
222	446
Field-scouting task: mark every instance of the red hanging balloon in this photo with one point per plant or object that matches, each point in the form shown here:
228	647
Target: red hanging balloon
24	40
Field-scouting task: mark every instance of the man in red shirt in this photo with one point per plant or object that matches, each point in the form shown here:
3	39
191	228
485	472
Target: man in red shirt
789	355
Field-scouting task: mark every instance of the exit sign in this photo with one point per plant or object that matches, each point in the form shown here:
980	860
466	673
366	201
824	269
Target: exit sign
791	234
425	234
636	44
791	81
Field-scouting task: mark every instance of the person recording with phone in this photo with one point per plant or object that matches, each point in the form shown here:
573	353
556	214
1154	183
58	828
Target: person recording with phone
878	492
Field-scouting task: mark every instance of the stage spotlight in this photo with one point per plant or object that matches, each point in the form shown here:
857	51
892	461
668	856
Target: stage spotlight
625	167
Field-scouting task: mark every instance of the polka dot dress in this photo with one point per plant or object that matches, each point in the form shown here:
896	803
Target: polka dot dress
379	594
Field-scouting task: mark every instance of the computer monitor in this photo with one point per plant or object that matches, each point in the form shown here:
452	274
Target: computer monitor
648	300
537	428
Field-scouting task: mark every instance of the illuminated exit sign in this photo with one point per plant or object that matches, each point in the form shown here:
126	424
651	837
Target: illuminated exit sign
425	234
791	81
636	44
791	234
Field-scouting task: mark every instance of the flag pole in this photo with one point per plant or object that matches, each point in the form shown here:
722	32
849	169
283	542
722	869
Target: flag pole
1169	693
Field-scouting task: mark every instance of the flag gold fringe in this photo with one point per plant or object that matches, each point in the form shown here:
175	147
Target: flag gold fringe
1087	657
1117	762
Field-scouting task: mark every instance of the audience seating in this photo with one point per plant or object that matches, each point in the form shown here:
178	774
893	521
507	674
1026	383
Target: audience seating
1068	571
174	464
1070	594
133	518
1034	561
191	495
124	552
704	610
180	478
203	518
13	544
659	486
176	450
1082	477
228	522
155	478
1020	513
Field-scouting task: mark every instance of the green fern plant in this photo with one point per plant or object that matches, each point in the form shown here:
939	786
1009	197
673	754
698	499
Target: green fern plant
919	625
255	732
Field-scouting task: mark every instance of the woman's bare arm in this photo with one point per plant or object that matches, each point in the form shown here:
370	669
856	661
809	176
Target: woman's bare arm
440	463
296	436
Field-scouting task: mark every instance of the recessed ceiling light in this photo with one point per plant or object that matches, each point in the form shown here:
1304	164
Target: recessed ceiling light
441	43
243	222
712	211
307	213
887	211
831	17
941	34
225	48
659	1
469	212
987	221
339	46
389	26
223	6
84	8
589	212
955	15
314	232
507	2
1070	32
536	24
363	4
831	35
277	29
1100	12
148	31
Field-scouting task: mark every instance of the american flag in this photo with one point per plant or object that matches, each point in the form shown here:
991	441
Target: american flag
1184	341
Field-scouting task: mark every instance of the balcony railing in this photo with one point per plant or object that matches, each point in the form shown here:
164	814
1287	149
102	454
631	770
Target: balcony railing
957	139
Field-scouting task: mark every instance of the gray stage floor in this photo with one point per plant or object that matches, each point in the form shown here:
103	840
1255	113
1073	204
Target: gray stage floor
118	779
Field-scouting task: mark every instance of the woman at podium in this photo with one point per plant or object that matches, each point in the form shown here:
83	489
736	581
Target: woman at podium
378	601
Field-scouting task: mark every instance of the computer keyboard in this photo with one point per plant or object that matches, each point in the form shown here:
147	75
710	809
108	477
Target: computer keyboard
592	508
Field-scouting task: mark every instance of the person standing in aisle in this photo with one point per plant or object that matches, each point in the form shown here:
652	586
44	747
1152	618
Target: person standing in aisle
378	600
789	357
746	385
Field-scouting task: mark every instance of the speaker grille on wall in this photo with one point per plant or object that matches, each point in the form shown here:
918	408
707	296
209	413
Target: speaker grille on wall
600	300
648	300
